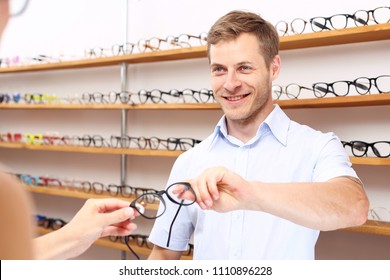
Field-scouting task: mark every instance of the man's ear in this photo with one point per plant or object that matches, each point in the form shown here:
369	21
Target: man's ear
275	67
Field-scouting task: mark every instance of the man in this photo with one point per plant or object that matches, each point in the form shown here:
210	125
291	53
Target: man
273	182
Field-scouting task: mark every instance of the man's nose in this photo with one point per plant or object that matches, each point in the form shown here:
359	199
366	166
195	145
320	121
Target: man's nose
232	81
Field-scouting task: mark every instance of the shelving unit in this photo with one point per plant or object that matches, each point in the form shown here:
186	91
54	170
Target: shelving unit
326	38
148	152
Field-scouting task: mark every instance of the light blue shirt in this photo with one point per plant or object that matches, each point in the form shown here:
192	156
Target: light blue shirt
281	151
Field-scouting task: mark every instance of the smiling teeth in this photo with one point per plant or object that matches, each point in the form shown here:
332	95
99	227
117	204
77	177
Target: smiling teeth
234	98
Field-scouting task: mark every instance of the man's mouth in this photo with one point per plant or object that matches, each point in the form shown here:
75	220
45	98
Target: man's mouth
235	97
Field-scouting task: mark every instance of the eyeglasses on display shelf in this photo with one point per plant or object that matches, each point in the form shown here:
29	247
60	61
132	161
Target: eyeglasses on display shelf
339	21
49	223
121	190
381	83
380	149
124	97
10	97
96	141
152	143
188	95
122	49
29	180
40	98
11	137
297	26
153	44
361	85
48	181
182	144
95	97
292	91
155	96
33	138
377	16
95	187
97	52
174	193
188	40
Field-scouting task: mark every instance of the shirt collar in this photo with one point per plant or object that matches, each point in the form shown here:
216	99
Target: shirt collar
277	122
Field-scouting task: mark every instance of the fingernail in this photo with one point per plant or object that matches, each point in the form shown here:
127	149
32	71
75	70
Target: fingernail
128	211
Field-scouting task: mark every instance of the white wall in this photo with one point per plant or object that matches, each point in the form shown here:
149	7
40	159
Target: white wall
68	27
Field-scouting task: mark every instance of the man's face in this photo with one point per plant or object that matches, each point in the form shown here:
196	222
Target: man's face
240	78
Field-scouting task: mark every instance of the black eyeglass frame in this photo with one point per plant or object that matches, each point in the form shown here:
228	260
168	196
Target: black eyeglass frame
159	195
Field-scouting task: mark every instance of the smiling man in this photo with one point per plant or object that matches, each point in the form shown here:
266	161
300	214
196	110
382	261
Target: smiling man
273	184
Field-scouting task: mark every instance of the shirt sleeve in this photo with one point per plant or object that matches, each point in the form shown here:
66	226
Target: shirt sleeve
332	160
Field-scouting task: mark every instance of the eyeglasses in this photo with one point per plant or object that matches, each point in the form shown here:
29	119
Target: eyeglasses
34	139
28	179
380	149
297	26
122	190
96	52
49	223
122	49
6	97
95	97
186	95
95	187
47	181
124	97
187	40
338	88
40	98
292	91
54	139
173	192
11	137
155	96
94	140
181	143
338	21
152	143
190	95
378	15
363	84
152	44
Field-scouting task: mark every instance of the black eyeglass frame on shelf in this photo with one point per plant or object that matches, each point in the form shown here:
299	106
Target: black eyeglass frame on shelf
319	24
360	148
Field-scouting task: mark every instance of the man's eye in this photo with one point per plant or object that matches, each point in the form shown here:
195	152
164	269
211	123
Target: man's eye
245	68
217	70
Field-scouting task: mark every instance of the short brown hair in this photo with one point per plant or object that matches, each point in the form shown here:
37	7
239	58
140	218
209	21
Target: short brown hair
234	23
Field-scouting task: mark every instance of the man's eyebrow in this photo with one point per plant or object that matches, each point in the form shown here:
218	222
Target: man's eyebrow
245	62
216	65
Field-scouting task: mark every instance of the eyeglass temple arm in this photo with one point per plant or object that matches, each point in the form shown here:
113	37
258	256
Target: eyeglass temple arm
131	249
173	221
